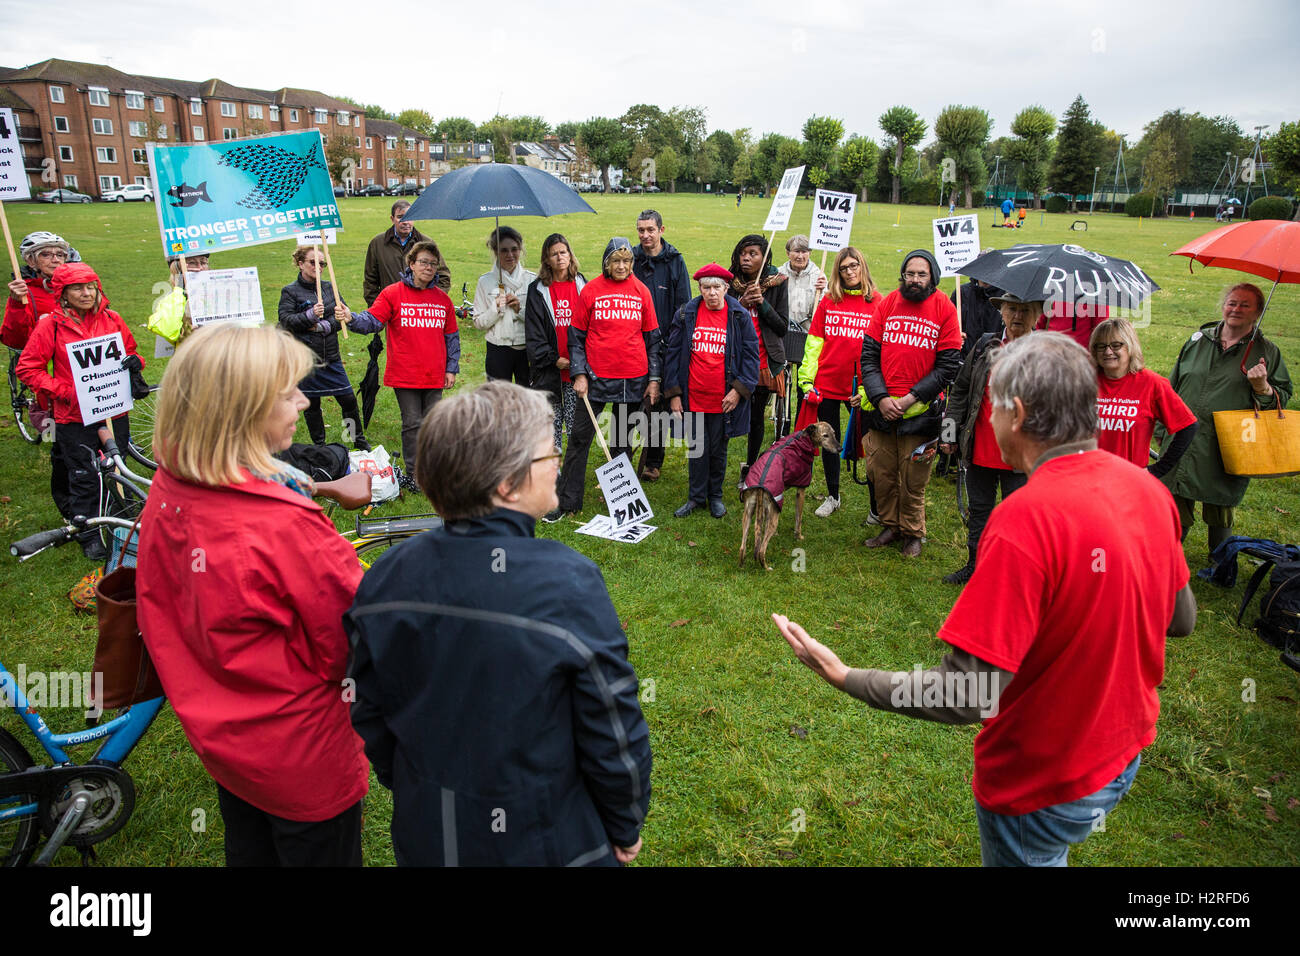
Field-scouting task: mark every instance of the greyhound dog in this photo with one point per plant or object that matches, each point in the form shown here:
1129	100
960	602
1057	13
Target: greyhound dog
787	464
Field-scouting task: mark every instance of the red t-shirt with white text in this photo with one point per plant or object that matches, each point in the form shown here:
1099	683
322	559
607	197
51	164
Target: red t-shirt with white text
615	315
564	299
984	443
911	334
418	322
708	379
842	326
1067	597
1128	409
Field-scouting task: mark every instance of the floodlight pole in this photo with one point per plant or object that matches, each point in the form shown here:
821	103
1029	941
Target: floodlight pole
1092	199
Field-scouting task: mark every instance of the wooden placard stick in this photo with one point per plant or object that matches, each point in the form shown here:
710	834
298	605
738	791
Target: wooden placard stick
600	436
9	244
329	264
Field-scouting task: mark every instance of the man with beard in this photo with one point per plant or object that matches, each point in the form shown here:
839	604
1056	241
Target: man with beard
911	353
663	270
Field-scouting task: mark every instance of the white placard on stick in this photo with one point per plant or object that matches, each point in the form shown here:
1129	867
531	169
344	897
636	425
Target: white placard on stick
225	295
956	242
602	526
623	493
778	217
13	171
832	220
314	238
103	386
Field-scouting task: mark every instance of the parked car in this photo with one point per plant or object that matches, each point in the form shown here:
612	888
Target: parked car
63	195
340	191
133	192
404	189
374	189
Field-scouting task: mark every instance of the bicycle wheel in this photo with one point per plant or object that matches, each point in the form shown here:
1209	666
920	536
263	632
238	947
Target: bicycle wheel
370	550
18	836
119	498
21	399
140	444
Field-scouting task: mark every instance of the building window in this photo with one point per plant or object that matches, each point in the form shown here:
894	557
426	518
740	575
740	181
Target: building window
293	116
228	109
98	97
103	126
410	142
229	133
254	111
56	94
142	180
274	113
139	158
106	154
134	101
421	165
198	132
343	118
70	180
109	182
138	128
358	142
322	117
391	142
370	163
196	106
158	104
370	144
65	153
60	124
162	131
356	120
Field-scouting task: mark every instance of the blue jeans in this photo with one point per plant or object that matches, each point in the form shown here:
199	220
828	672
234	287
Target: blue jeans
1043	838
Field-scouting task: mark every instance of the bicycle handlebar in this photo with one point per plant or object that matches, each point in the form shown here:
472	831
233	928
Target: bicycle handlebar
38	542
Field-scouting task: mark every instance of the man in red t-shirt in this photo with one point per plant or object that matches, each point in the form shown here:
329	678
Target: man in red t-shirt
1058	641
911	353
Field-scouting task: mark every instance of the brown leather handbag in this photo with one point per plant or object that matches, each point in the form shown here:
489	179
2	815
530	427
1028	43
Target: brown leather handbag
120	655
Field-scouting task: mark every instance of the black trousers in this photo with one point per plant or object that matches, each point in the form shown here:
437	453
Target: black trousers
829	412
706	452
257	838
573	475
75	445
982	486
316	421
507	364
757	423
658	436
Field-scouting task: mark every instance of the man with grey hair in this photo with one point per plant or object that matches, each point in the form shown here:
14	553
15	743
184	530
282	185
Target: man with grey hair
386	255
1058	642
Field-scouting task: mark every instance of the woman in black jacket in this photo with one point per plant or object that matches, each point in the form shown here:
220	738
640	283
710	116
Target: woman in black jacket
768	300
548	312
316	324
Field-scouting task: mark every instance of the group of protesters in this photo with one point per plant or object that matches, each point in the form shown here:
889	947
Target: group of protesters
1056	422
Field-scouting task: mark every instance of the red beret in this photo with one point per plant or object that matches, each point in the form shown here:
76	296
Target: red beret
713	271
72	273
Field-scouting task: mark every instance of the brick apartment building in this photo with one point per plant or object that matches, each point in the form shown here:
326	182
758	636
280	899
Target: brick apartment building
84	126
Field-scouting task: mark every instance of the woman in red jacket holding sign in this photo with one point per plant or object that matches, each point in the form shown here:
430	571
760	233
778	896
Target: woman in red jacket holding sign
832	356
81	315
423	340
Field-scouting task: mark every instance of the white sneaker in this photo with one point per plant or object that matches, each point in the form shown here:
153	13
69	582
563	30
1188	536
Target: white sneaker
828	507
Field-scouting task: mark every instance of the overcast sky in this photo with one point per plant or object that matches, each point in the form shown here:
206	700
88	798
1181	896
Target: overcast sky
767	68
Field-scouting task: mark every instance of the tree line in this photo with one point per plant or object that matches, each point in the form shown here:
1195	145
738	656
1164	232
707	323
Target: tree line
1178	151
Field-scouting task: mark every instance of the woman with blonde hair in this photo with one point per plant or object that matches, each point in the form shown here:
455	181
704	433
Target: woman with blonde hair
499	306
1131	399
242	583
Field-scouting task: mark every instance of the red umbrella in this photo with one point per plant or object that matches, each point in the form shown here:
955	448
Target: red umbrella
1268	248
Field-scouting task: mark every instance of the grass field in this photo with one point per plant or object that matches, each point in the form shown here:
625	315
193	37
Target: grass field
746	741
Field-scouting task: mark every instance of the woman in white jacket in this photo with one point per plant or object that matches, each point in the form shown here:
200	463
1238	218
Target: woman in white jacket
499	307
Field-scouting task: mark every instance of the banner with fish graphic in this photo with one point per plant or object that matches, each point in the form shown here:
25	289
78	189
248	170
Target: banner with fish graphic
242	192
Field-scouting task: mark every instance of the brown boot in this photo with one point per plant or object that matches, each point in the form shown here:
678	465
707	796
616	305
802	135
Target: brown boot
912	548
888	536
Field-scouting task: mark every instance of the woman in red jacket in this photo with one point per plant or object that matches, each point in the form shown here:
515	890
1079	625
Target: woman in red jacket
241	584
30	297
81	313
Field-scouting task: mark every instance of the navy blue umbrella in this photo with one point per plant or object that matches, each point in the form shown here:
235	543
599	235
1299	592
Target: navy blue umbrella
494	190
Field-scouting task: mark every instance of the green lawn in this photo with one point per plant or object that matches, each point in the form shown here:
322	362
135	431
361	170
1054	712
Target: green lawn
746	740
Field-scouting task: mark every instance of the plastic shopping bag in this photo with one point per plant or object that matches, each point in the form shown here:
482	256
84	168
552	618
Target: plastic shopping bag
383	480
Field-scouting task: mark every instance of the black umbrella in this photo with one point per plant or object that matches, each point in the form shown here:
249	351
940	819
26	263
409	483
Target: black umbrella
369	386
1062	273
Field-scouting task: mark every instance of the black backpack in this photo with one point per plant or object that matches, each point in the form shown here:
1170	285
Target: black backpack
1279	608
321	462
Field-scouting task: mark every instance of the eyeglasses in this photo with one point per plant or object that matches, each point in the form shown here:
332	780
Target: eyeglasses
851	267
1103	347
52	254
556	456
425	263
917	275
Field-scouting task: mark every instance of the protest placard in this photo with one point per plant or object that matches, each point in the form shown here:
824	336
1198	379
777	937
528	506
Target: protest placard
832	220
331	236
226	295
13	177
627	501
103	386
778	217
215	196
956	242
602	526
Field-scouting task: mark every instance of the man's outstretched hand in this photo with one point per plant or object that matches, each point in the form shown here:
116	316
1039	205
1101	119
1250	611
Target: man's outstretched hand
819	658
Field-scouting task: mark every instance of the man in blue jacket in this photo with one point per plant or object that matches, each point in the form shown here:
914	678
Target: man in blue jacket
710	372
663	270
